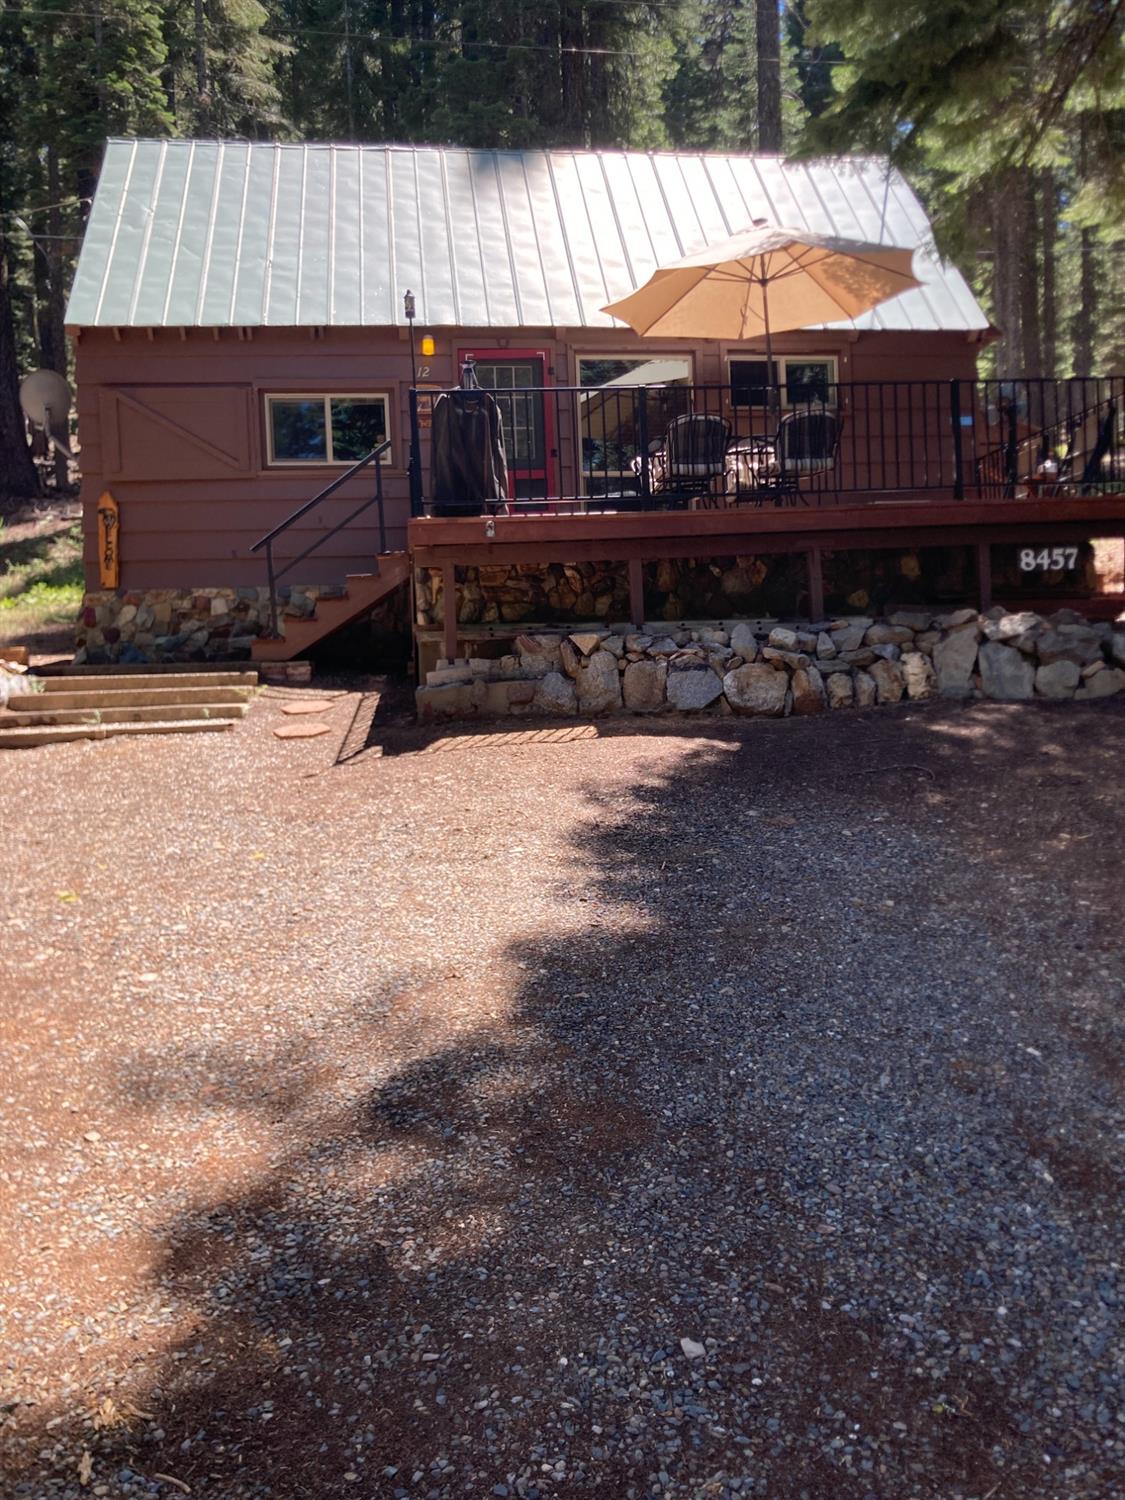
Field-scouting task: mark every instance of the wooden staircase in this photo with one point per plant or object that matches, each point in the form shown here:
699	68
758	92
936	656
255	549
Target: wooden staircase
362	592
108	705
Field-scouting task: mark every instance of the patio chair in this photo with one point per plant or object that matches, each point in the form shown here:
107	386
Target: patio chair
808	445
691	458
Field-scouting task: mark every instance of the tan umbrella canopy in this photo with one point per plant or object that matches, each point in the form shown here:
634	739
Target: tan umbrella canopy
765	280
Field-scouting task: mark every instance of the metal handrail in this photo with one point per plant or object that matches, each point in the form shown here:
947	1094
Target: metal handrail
267	541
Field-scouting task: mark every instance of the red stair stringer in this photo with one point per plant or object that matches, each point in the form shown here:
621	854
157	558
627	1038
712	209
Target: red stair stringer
362	592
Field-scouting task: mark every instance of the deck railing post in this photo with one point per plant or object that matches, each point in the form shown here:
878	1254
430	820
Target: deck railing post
642	443
379	505
272	589
958	451
415	457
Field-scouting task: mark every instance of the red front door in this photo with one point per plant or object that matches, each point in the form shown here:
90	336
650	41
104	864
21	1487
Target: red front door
518	378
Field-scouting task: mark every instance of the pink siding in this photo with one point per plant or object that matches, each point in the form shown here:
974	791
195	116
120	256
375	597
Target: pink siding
173	425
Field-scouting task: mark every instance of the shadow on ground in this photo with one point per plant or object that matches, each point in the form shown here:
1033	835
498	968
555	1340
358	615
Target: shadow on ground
815	1071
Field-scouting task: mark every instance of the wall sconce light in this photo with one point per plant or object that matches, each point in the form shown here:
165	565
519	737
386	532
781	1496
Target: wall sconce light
428	347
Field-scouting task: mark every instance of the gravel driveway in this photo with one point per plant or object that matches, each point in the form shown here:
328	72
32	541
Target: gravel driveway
663	1110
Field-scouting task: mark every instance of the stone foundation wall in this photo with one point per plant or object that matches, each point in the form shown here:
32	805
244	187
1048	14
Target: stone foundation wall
507	594
768	667
210	624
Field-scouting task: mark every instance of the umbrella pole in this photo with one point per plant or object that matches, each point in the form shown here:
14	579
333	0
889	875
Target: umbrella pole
772	394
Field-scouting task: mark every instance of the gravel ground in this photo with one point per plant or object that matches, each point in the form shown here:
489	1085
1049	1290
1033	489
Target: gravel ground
667	1110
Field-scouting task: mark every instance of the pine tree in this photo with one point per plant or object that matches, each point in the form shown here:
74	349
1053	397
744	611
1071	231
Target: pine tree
221	71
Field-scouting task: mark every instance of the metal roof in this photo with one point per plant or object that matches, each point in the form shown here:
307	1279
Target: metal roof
230	233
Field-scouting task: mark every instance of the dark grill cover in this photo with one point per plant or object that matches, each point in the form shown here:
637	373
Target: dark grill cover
468	467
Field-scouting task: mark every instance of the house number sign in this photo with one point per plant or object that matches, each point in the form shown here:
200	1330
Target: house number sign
1050	559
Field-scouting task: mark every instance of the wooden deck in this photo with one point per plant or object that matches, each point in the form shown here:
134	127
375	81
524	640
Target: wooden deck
636	537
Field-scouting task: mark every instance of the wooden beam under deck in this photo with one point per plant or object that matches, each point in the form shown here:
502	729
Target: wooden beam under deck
650	535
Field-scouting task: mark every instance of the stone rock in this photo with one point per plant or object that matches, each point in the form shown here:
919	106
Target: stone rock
586	641
848	634
742	640
615	645
840	690
954	658
888	652
570	658
1103	685
555	694
712	637
889	635
913	619
808	691
756	689
826	647
919	675
599	684
955	618
636	641
806	640
692	1349
1008	627
889	680
642	686
1117	647
666	646
833	666
1080	645
688	691
1005	674
865	691
520	693
794	660
1092	668
1058	679
783	639
538	653
862	656
219	605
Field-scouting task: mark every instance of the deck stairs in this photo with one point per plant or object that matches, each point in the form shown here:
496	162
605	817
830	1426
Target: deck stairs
102	705
362	591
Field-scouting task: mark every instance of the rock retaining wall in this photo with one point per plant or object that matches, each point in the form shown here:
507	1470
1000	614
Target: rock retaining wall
212	624
768	667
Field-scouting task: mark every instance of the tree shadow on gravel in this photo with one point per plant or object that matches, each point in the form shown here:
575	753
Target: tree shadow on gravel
805	1076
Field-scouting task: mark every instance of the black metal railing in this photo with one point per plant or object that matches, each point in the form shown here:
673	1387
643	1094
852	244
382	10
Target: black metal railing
273	574
573	449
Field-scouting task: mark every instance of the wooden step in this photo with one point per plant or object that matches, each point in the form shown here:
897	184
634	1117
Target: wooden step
59	734
103	681
124	697
138	714
362	592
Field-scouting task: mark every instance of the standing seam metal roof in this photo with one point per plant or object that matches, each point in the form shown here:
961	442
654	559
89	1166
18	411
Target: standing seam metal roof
230	233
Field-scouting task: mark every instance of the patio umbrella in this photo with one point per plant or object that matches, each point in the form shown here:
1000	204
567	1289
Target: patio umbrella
765	280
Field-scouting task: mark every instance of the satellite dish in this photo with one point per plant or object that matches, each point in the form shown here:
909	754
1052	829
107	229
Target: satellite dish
45	398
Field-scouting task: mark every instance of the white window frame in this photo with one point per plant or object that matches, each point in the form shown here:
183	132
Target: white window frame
327	397
644	358
783	361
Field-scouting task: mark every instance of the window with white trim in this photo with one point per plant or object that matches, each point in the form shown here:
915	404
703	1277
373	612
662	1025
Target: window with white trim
325	429
803	379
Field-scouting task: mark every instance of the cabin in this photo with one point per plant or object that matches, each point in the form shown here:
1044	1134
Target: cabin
262	332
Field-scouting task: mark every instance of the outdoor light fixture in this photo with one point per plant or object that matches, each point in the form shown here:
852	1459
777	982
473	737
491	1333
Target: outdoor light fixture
429	348
409	309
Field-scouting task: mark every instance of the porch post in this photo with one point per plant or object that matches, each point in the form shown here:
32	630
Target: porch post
984	575
636	592
816	584
449	610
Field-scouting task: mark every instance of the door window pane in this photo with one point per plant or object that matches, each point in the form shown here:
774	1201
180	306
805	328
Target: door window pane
359	424
298	431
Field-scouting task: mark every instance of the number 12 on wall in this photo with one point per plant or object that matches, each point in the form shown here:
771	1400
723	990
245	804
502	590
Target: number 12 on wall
1050	559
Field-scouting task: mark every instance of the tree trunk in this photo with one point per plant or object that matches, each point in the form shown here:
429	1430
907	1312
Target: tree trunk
768	41
1031	353
1049	228
1004	304
18	478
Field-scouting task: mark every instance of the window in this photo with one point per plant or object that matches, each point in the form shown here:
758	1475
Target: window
801	380
611	413
325	429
